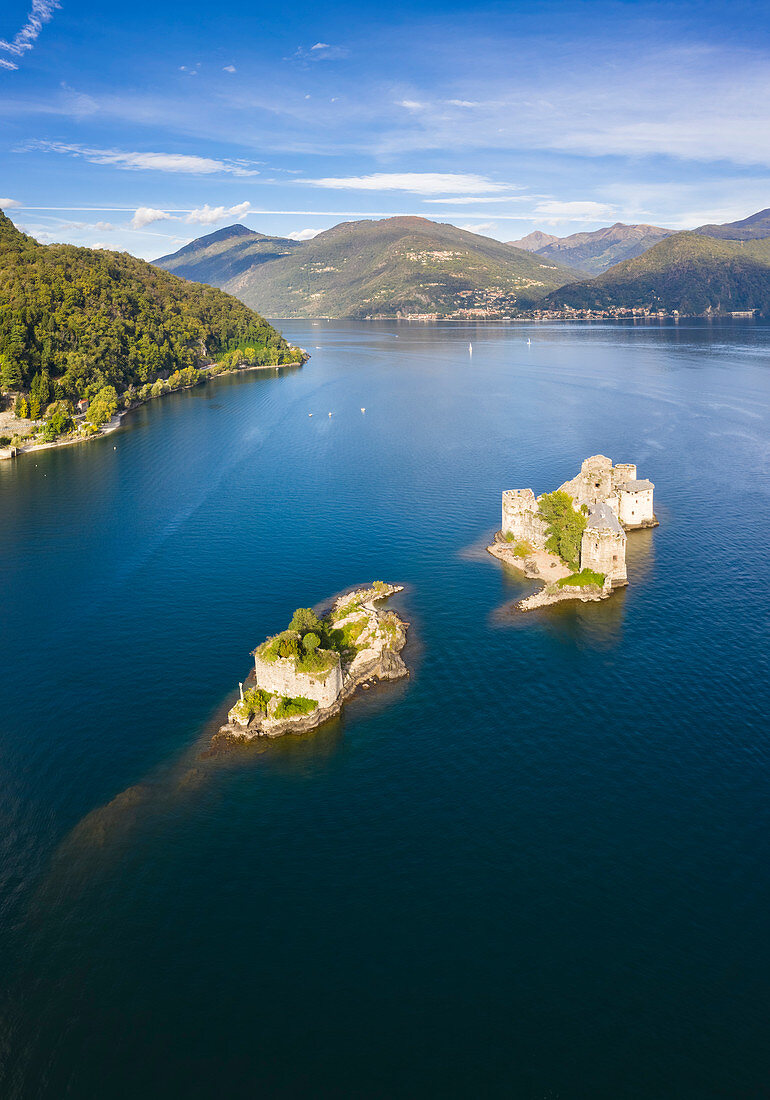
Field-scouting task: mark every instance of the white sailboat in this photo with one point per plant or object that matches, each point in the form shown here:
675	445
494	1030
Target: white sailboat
470	349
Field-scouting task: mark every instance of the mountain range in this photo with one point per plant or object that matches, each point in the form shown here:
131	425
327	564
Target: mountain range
409	266
394	267
597	251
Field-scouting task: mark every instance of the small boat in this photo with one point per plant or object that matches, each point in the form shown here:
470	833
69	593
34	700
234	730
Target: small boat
470	349
309	414
528	342
363	410
329	414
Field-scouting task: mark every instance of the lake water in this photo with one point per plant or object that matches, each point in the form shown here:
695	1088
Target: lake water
540	868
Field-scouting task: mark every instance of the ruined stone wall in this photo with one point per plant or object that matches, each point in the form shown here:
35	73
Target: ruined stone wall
594	482
521	518
604	552
623	471
636	508
281	678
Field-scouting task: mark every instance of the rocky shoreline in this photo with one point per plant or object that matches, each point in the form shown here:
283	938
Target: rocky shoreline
376	658
547	568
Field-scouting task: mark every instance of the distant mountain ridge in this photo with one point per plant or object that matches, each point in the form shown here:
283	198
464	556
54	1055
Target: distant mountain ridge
392	267
598	250
689	273
224	254
755	227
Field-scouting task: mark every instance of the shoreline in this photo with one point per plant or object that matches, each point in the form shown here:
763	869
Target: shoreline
532	567
378	663
7	453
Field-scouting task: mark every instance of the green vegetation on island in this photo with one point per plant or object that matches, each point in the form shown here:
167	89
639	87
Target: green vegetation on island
586	578
565	526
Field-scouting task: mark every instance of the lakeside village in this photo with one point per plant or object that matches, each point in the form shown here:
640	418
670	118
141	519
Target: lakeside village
574	539
303	675
38	420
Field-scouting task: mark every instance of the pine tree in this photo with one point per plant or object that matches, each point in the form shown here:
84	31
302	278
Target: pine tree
10	373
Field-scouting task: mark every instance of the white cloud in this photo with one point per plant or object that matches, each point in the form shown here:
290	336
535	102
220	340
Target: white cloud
418	183
229	69
483	228
303	234
574	211
156	162
321	51
207	215
411	104
9	204
469	200
463	102
41	12
146	215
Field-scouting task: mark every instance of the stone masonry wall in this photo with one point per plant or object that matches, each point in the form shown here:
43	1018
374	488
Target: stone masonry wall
636	508
281	678
604	552
521	519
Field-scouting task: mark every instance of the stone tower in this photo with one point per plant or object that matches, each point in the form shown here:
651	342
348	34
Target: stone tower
521	518
603	545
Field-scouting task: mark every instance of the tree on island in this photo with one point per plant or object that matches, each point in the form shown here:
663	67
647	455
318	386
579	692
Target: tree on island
564	525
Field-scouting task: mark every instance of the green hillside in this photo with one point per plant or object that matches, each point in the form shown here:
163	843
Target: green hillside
221	256
397	266
83	319
686	272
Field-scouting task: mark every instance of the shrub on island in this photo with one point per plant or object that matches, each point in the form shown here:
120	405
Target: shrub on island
586	578
291	708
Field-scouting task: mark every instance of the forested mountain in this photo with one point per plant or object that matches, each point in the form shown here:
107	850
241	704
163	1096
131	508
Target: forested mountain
686	272
397	266
221	256
596	251
84	318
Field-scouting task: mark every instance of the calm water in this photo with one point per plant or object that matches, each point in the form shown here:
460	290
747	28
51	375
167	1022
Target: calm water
539	869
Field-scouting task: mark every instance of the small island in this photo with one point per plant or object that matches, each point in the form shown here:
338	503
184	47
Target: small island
303	675
574	539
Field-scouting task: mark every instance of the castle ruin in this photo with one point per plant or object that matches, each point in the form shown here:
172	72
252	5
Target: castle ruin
614	501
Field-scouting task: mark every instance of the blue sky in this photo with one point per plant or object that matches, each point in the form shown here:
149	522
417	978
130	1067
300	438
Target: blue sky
142	126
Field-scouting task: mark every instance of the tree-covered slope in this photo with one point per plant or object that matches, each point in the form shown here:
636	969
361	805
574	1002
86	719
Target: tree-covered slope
88	318
225	254
598	250
398	266
686	272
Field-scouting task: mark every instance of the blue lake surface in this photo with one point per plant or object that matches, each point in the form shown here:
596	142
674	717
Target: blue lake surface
540	868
